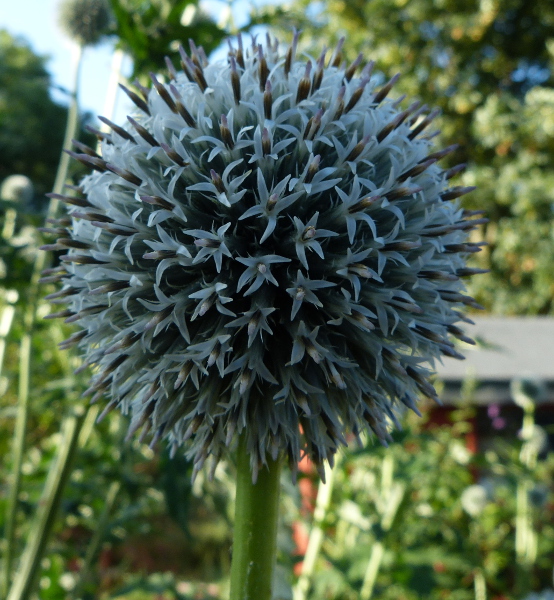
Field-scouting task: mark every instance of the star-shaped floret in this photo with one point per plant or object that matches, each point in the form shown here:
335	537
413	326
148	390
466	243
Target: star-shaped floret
271	204
354	205
228	140
264	148
211	244
353	270
307	236
209	296
302	292
256	319
306	341
259	270
168	252
214	349
225	190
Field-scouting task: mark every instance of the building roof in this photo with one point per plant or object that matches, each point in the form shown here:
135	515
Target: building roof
507	348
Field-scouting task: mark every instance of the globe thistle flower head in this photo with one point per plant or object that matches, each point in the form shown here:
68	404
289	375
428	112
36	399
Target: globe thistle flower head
267	247
84	21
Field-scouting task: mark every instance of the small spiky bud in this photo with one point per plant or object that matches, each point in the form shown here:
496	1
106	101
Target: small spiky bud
266	246
84	21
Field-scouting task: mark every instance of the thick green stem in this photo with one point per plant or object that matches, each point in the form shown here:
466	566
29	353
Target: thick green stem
255	531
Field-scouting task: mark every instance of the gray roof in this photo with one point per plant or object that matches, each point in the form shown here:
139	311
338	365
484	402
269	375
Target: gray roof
507	347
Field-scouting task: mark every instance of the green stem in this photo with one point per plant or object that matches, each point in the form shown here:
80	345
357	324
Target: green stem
10	218
372	570
255	531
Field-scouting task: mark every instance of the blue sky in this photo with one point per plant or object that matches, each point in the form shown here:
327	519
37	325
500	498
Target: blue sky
36	21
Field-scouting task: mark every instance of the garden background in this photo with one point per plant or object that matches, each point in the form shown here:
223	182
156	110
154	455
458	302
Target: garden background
438	514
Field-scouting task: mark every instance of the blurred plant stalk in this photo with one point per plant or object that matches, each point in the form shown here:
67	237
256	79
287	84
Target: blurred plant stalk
315	540
111	94
26	340
390	499
526	537
480	585
10	218
6	319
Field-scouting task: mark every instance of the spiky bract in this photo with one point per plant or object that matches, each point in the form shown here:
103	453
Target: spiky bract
84	21
268	246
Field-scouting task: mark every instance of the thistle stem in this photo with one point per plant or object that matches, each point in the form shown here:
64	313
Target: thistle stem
255	531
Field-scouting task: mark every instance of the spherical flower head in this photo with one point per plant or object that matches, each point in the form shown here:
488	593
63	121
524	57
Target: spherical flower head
84	21
268	246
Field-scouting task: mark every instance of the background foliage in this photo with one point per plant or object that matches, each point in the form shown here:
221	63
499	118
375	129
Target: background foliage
488	64
149	30
441	538
31	124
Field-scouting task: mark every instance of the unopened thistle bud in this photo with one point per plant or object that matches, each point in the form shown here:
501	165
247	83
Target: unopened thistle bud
84	21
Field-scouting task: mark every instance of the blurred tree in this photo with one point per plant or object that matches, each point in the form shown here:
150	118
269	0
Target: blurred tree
488	64
31	123
149	30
